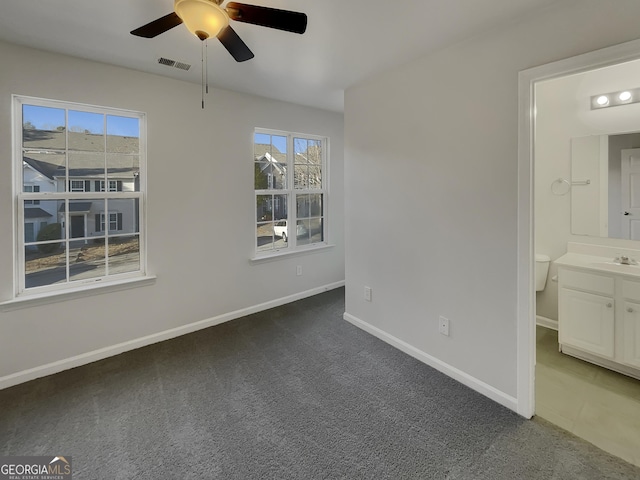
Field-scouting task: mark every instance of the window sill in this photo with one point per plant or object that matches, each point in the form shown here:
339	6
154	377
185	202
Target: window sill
293	253
33	300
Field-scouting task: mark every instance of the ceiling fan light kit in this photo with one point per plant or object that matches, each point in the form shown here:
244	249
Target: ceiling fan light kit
203	18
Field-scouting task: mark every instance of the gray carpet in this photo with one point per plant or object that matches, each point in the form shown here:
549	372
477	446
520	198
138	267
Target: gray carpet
291	393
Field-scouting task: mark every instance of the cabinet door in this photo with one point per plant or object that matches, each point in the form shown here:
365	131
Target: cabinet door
631	328
586	322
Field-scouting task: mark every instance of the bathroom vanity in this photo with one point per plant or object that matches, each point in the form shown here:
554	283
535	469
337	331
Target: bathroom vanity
599	307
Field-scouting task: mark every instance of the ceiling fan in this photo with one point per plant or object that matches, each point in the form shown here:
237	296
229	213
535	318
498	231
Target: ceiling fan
206	18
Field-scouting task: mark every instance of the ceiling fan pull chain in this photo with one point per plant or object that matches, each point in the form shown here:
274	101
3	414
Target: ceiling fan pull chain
206	64
202	79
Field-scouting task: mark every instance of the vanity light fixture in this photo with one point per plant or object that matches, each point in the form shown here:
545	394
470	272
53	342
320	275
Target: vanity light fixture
625	96
614	99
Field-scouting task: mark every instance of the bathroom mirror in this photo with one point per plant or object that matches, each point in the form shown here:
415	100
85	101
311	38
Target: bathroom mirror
605	185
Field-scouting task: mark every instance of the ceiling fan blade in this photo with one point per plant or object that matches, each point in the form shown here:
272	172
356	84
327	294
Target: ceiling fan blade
234	44
286	20
155	28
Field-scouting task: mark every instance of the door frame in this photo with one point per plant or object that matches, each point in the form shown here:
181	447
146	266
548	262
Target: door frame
526	295
625	165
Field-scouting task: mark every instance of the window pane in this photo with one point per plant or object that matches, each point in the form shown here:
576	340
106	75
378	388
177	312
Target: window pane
124	254
279	207
302	206
315	176
87	259
264	236
86	131
43	127
45	264
125	170
86	167
315	205
38	216
314	152
29	232
304	232
269	175
45	170
301	177
82	217
264	207
316	232
123	215
300	148
123	134
270	162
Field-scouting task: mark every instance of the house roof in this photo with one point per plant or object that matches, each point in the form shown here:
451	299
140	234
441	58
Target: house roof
79	141
261	149
269	156
45	168
42	152
77	207
36	212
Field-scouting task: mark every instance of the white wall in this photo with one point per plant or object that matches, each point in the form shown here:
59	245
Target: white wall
563	113
431	158
200	209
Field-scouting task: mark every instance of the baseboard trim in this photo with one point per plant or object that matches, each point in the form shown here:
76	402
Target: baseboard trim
89	357
462	377
546	322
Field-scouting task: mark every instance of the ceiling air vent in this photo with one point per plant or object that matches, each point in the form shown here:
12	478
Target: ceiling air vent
172	63
182	66
166	61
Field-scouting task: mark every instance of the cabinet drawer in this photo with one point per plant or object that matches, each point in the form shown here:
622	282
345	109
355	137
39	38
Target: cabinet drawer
587	282
631	290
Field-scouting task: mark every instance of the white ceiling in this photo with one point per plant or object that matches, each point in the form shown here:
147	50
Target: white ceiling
346	41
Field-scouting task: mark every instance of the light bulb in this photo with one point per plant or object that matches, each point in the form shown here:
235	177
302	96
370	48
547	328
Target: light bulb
624	96
602	100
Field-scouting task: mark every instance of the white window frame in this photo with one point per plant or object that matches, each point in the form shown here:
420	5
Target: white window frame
21	293
291	192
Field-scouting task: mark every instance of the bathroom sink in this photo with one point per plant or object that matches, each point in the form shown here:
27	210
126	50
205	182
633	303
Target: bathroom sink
617	267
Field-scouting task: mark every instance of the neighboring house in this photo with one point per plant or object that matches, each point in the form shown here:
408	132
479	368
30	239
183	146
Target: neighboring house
270	174
44	171
37	214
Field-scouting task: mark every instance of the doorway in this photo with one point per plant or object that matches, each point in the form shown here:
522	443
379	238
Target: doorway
529	155
77	226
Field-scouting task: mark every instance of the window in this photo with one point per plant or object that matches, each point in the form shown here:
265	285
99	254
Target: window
80	179
31	188
114	186
290	177
115	222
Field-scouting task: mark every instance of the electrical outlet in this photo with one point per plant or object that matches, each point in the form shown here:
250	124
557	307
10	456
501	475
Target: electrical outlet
443	326
299	270
367	294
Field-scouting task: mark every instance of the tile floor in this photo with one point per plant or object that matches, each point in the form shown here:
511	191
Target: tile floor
596	404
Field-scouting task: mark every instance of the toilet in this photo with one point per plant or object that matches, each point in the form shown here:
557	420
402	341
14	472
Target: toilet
542	268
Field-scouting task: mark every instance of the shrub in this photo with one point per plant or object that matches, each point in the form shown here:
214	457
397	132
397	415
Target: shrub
53	231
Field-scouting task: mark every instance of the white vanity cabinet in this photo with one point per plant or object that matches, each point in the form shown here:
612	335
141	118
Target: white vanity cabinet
631	329
599	313
587	312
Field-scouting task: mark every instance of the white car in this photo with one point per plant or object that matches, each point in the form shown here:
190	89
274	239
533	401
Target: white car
281	229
